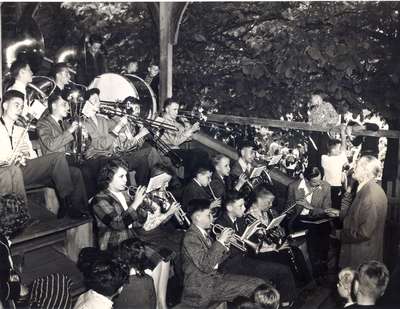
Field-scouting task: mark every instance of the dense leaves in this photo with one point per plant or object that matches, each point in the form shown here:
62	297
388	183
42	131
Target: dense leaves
266	58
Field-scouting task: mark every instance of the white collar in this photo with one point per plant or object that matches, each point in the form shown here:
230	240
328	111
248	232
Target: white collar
55	118
242	164
108	303
196	181
303	185
20	86
232	219
203	231
362	184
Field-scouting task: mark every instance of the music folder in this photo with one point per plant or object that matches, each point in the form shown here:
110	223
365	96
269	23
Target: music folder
276	221
157	182
257	171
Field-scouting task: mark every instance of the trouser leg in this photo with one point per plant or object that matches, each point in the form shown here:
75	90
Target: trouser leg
138	161
90	171
318	247
79	196
12	181
49	169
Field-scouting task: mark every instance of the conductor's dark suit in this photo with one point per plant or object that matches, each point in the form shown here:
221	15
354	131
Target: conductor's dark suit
204	285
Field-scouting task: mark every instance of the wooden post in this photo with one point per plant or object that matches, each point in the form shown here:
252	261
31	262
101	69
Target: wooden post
166	51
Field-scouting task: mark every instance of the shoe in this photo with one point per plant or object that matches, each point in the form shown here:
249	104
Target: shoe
77	214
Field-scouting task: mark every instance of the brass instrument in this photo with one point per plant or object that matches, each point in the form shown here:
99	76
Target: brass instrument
180	215
236	241
147	205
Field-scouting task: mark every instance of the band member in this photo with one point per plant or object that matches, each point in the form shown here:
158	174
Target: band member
221	180
204	284
22	74
241	263
262	209
12	181
131	68
174	139
105	135
152	78
245	164
199	188
93	63
51	169
118	218
313	198
62	75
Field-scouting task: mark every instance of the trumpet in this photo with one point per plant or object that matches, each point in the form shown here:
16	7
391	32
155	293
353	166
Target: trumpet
148	205
180	215
235	241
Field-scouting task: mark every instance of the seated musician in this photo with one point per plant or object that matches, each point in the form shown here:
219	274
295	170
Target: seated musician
313	197
174	139
118	219
242	263
221	182
22	74
199	188
261	208
62	75
12	181
51	169
245	164
104	134
204	284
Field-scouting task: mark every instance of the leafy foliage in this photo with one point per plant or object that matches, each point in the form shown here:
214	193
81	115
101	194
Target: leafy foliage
266	58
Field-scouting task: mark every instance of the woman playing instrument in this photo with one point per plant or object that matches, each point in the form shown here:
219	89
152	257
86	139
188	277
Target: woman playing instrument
119	218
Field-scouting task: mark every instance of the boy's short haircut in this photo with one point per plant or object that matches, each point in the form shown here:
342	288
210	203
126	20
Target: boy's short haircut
373	278
267	297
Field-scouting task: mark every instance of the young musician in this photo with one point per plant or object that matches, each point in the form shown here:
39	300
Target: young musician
22	74
62	75
118	219
105	134
241	263
174	139
199	188
312	196
49	169
245	164
221	180
204	284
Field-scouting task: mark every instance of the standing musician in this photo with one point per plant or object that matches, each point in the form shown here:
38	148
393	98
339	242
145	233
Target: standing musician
241	263
199	188
119	217
152	78
312	196
174	139
93	62
22	74
205	286
62	75
105	134
50	169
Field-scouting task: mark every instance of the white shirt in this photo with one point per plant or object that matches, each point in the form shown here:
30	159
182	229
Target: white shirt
93	300
245	166
19	139
308	197
333	166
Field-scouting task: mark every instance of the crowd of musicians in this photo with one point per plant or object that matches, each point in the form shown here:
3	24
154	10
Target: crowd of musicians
220	233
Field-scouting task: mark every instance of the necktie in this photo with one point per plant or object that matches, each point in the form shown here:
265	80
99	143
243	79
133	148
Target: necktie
208	240
61	125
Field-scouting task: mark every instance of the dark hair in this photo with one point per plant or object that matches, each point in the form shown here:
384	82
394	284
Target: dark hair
95	38
373	278
258	192
217	158
11	94
53	98
106	276
132	252
17	66
197	205
332	143
108	171
159	169
87	256
91	92
59	67
131	100
169	101
244	144
231	197
311	172
14	214
202	169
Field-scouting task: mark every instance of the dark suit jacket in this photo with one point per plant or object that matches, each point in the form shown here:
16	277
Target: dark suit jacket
198	264
321	198
220	187
51	136
236	170
363	226
239	229
8	290
194	191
